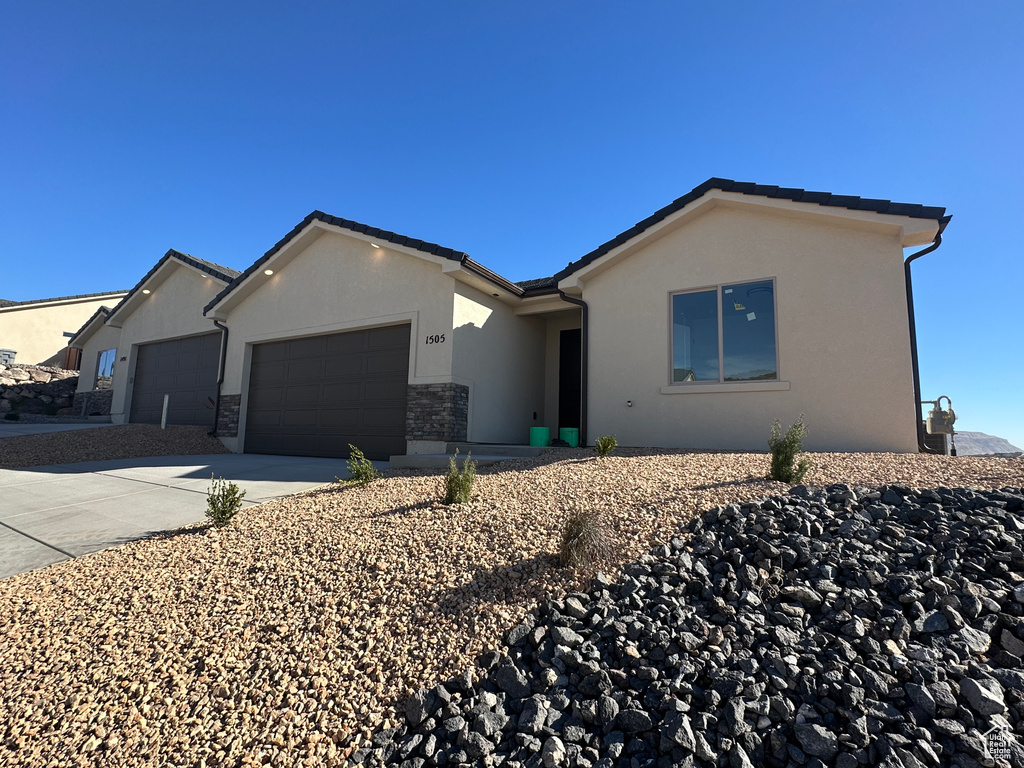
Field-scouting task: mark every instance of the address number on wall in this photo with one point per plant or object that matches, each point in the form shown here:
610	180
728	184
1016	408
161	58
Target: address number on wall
437	338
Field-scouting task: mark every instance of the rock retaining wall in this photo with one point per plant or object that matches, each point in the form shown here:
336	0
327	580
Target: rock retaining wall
35	389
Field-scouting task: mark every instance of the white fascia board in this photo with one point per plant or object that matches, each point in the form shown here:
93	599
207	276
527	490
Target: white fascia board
110	298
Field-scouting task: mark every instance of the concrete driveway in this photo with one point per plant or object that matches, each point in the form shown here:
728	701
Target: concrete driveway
49	514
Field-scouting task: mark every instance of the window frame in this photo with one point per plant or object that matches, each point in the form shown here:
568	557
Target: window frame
99	364
776	383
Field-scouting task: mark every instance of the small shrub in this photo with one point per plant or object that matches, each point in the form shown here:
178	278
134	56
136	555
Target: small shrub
585	541
605	445
458	483
360	468
50	409
223	501
785	449
12	416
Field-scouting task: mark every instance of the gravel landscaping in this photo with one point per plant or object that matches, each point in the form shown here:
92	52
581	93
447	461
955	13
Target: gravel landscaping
296	634
130	441
845	626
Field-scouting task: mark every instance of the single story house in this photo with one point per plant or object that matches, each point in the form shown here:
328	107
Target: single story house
37	331
154	342
695	328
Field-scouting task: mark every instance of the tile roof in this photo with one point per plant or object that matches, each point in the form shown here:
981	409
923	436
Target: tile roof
354	226
550	284
105	311
4	303
851	202
224	274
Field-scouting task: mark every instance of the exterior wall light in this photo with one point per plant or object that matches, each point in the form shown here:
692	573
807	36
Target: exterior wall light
268	272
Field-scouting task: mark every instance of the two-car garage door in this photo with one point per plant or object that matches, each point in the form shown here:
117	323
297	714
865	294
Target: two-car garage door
185	369
313	396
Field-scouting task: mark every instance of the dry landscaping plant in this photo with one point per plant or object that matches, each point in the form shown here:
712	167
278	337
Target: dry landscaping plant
458	483
360	469
223	501
585	542
785	449
605	445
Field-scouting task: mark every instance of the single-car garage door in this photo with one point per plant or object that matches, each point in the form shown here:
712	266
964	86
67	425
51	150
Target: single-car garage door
314	396
185	369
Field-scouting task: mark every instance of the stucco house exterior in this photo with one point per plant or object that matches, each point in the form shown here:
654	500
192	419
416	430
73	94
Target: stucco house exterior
37	331
695	328
153	342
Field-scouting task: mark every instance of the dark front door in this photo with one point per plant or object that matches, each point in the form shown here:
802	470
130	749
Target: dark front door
570	372
185	369
314	396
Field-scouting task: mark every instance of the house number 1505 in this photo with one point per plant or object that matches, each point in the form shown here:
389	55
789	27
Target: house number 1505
437	338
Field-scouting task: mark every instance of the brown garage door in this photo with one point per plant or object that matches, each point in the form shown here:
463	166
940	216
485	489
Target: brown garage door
185	369
314	396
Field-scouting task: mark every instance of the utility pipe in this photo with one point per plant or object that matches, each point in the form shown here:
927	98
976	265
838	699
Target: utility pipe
584	361
220	373
913	336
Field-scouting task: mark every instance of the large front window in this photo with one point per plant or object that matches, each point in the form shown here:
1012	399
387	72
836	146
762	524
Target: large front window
726	333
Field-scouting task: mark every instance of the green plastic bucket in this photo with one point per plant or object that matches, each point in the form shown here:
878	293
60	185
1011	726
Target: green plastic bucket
571	435
540	436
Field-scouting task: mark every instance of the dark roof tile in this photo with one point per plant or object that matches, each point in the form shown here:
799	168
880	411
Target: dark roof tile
749	188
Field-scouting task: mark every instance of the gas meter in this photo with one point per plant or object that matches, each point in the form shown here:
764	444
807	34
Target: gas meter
940	422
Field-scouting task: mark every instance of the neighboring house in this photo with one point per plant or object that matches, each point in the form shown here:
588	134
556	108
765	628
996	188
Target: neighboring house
37	331
695	328
155	341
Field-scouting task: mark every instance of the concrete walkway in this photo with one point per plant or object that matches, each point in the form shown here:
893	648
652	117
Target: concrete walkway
16	429
49	514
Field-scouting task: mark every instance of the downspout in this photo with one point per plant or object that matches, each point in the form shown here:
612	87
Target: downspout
220	374
913	335
584	360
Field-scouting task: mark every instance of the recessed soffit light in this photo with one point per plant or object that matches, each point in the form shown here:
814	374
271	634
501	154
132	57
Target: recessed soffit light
146	291
375	245
268	272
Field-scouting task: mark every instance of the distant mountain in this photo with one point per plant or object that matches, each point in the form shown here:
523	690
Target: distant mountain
980	444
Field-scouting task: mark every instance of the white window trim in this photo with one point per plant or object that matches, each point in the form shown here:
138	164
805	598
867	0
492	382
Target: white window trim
707	387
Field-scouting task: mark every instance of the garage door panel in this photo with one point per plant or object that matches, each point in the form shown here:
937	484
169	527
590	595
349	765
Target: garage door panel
341	418
382	417
376	391
341	388
390	336
388	361
304	369
302	396
343	391
345	364
184	369
300	418
311	347
345	342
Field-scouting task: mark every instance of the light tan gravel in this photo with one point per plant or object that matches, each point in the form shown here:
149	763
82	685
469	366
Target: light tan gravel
130	441
278	639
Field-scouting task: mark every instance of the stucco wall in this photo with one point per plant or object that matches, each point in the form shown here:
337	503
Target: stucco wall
336	284
36	332
173	310
105	337
500	356
843	341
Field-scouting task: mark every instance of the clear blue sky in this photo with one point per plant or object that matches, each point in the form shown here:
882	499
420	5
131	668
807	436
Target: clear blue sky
523	133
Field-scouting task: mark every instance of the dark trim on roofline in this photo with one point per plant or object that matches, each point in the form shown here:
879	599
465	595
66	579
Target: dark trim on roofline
384	235
6	303
827	199
105	311
214	270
